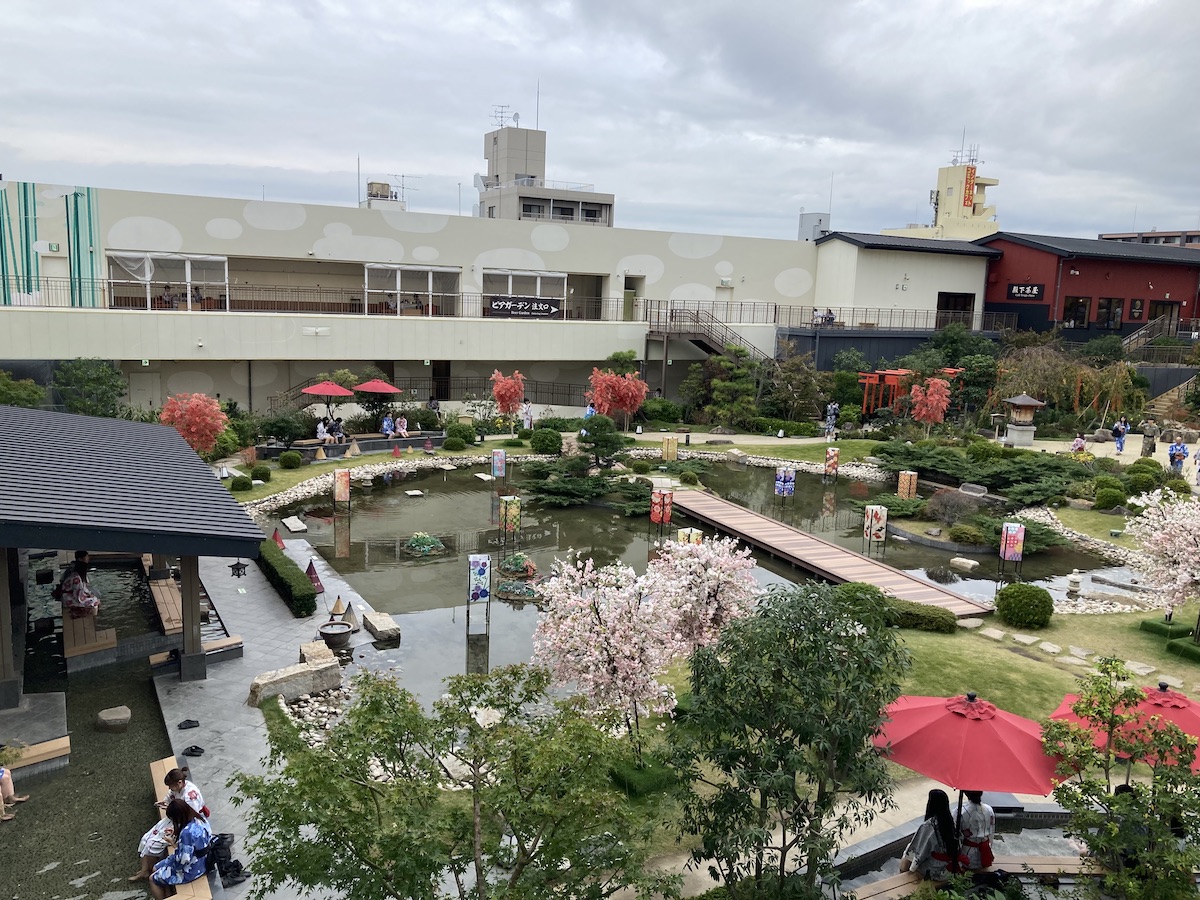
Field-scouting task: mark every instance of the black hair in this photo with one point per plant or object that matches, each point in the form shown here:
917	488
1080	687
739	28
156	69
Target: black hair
938	809
181	815
173	776
81	554
974	796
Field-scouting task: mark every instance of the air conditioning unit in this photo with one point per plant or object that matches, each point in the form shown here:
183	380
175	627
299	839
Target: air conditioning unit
726	282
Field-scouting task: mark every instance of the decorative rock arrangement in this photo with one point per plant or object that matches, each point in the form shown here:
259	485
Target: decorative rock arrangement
382	626
114	720
1111	552
319	672
315	713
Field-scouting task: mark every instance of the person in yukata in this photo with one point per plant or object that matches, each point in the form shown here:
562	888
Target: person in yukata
933	850
153	845
527	414
1177	453
402	427
388	427
1078	445
1119	430
977	827
8	795
189	861
78	597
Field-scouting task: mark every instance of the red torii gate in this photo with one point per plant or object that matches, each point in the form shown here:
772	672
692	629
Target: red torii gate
884	387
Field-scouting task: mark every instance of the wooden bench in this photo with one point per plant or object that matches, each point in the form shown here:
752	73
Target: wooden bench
169	602
906	883
81	636
198	889
888	888
211	648
46	750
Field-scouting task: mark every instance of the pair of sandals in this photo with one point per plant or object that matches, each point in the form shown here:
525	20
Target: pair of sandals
7	816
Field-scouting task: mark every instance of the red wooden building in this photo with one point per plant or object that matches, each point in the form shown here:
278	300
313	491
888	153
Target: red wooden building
1092	287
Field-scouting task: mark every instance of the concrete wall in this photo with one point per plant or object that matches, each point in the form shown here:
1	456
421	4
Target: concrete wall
907	280
837	269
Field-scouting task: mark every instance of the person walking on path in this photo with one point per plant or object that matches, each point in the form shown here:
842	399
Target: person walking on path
1119	430
1177	453
1149	437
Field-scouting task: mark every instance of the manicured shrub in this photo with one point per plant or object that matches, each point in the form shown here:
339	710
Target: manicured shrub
1150	465
1180	486
546	441
659	410
241	483
1105	482
1082	490
1141	481
1185	648
1106	465
290	459
949	506
525	433
261	472
690	478
966	534
454	444
514	442
465	433
651	777
900	613
1107	498
640	466
558	423
1169	630
288	579
1024	606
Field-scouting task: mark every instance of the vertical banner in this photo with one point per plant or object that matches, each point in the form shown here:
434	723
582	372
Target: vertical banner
875	523
1012	541
510	514
494	511
341	486
498	463
479	581
829	503
907	489
341	536
831	461
785	481
668	502
656	507
670	449
691	536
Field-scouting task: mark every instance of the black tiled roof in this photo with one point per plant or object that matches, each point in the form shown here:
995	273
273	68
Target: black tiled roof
79	482
896	242
1099	249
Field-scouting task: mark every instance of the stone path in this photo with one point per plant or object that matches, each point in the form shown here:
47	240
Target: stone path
1073	656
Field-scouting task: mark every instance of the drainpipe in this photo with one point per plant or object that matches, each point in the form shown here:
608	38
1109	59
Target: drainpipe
1057	309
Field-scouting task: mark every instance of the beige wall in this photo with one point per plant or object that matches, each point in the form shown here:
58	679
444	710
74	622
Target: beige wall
905	280
837	269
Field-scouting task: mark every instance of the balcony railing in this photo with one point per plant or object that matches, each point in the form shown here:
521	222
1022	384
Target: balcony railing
799	318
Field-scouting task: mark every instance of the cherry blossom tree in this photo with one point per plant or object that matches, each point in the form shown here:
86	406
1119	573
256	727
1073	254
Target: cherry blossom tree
508	391
1169	532
929	403
709	584
197	417
611	392
605	632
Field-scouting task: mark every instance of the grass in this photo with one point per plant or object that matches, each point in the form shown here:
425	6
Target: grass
852	451
1096	524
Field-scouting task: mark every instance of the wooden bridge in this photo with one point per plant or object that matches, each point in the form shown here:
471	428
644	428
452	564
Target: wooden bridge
822	558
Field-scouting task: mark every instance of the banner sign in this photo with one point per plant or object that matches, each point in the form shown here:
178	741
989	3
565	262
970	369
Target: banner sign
832	455
691	536
1025	292
524	308
785	482
969	187
510	514
498	462
341	486
670	449
1012	541
875	523
479	580
660	507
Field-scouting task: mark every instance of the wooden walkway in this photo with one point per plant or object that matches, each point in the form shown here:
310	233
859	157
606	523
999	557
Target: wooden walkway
818	556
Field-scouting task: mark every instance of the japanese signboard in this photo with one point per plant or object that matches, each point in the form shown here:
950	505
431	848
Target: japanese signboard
524	307
1026	292
1012	541
969	187
479	578
661	503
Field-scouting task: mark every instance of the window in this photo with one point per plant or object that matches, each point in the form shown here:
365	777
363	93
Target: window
1136	310
564	212
1108	313
1075	311
491	212
591	214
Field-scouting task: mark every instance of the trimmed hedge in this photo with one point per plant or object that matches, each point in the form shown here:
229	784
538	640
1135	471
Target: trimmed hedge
261	472
514	442
966	534
454	444
689	477
290	459
1107	498
525	433
1104	482
241	483
546	441
1185	648
1169	630
1024	606
640	466
465	433
766	425
900	613
288	579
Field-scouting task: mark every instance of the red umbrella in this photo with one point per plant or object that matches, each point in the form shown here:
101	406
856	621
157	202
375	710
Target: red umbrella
968	744
327	389
376	386
1170	705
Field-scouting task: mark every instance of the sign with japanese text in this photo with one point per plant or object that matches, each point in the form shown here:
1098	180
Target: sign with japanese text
1026	292
969	187
524	307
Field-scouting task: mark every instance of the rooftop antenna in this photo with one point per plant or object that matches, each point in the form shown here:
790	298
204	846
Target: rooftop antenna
403	187
500	114
831	174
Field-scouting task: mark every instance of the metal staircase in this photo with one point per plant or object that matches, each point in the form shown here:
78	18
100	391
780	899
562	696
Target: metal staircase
705	331
1147	333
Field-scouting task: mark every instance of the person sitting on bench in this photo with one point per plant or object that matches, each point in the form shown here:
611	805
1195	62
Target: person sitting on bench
189	861
153	845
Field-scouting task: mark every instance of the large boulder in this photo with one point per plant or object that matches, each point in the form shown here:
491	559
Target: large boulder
382	626
1102	435
292	681
114	720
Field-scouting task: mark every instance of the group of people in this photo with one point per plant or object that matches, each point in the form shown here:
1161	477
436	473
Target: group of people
74	591
331	432
823	318
392	427
1177	450
175	851
941	848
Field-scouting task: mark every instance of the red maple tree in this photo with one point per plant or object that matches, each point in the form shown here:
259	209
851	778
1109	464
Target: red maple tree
198	417
620	393
509	391
929	403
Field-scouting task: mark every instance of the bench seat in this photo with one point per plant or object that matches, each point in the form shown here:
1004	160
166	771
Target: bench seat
81	636
222	646
198	889
46	750
169	602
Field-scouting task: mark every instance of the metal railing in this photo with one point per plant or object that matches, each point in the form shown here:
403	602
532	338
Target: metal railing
1148	332
559	217
808	318
665	318
420	389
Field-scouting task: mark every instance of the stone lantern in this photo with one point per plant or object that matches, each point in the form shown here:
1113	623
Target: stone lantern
1020	420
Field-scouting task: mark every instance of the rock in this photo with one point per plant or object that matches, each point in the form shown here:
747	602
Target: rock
1171	681
933	532
974	490
293	681
114	720
736	455
382	626
1102	435
1080	652
293	524
1078	503
257	482
1047	647
970	623
1138	668
963	564
720	429
994	633
317	654
1073	660
1027	639
719	441
1190	437
873	460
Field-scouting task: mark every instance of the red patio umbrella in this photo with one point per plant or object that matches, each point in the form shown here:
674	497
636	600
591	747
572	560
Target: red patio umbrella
1172	706
377	386
327	389
968	744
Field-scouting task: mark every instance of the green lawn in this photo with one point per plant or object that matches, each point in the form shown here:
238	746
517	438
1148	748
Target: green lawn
1096	524
852	451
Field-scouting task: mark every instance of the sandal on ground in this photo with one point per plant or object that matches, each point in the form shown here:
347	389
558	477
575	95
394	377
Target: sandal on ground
193	751
17	799
188	723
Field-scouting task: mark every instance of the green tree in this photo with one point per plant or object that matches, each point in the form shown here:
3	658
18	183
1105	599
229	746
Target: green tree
977	378
499	793
601	440
622	362
850	360
795	391
776	747
956	341
24	392
1146	837
734	387
92	387
288	428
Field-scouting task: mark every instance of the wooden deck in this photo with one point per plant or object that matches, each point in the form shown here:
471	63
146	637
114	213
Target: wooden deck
81	636
169	603
822	558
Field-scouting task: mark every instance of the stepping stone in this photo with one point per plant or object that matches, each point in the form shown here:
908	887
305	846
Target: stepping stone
447	467
1171	681
1073	660
414	493
382	626
484	476
970	623
114	720
256	482
1139	668
1027	639
1080	652
963	564
293	523
1047	647
994	633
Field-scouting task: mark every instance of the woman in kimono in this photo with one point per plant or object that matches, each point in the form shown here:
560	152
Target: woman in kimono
977	827
933	850
153	845
78	598
389	426
189	861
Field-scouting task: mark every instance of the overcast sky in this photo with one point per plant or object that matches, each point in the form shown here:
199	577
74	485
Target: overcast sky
699	115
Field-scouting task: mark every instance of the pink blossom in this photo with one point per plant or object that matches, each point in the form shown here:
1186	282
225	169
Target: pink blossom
1169	532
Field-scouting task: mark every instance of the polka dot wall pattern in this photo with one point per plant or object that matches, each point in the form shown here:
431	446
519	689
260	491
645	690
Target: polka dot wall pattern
144	233
274	216
695	246
793	282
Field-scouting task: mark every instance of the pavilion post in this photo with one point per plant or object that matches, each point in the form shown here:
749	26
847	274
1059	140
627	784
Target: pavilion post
192	665
10	678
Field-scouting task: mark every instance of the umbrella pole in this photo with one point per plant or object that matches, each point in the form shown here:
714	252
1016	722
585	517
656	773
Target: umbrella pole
958	818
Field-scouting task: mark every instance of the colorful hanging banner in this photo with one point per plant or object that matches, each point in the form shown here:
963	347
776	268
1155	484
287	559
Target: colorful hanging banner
907	489
691	536
341	486
667	503
510	514
656	507
785	481
831	461
479	581
498	462
1012	541
829	503
875	523
670	449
